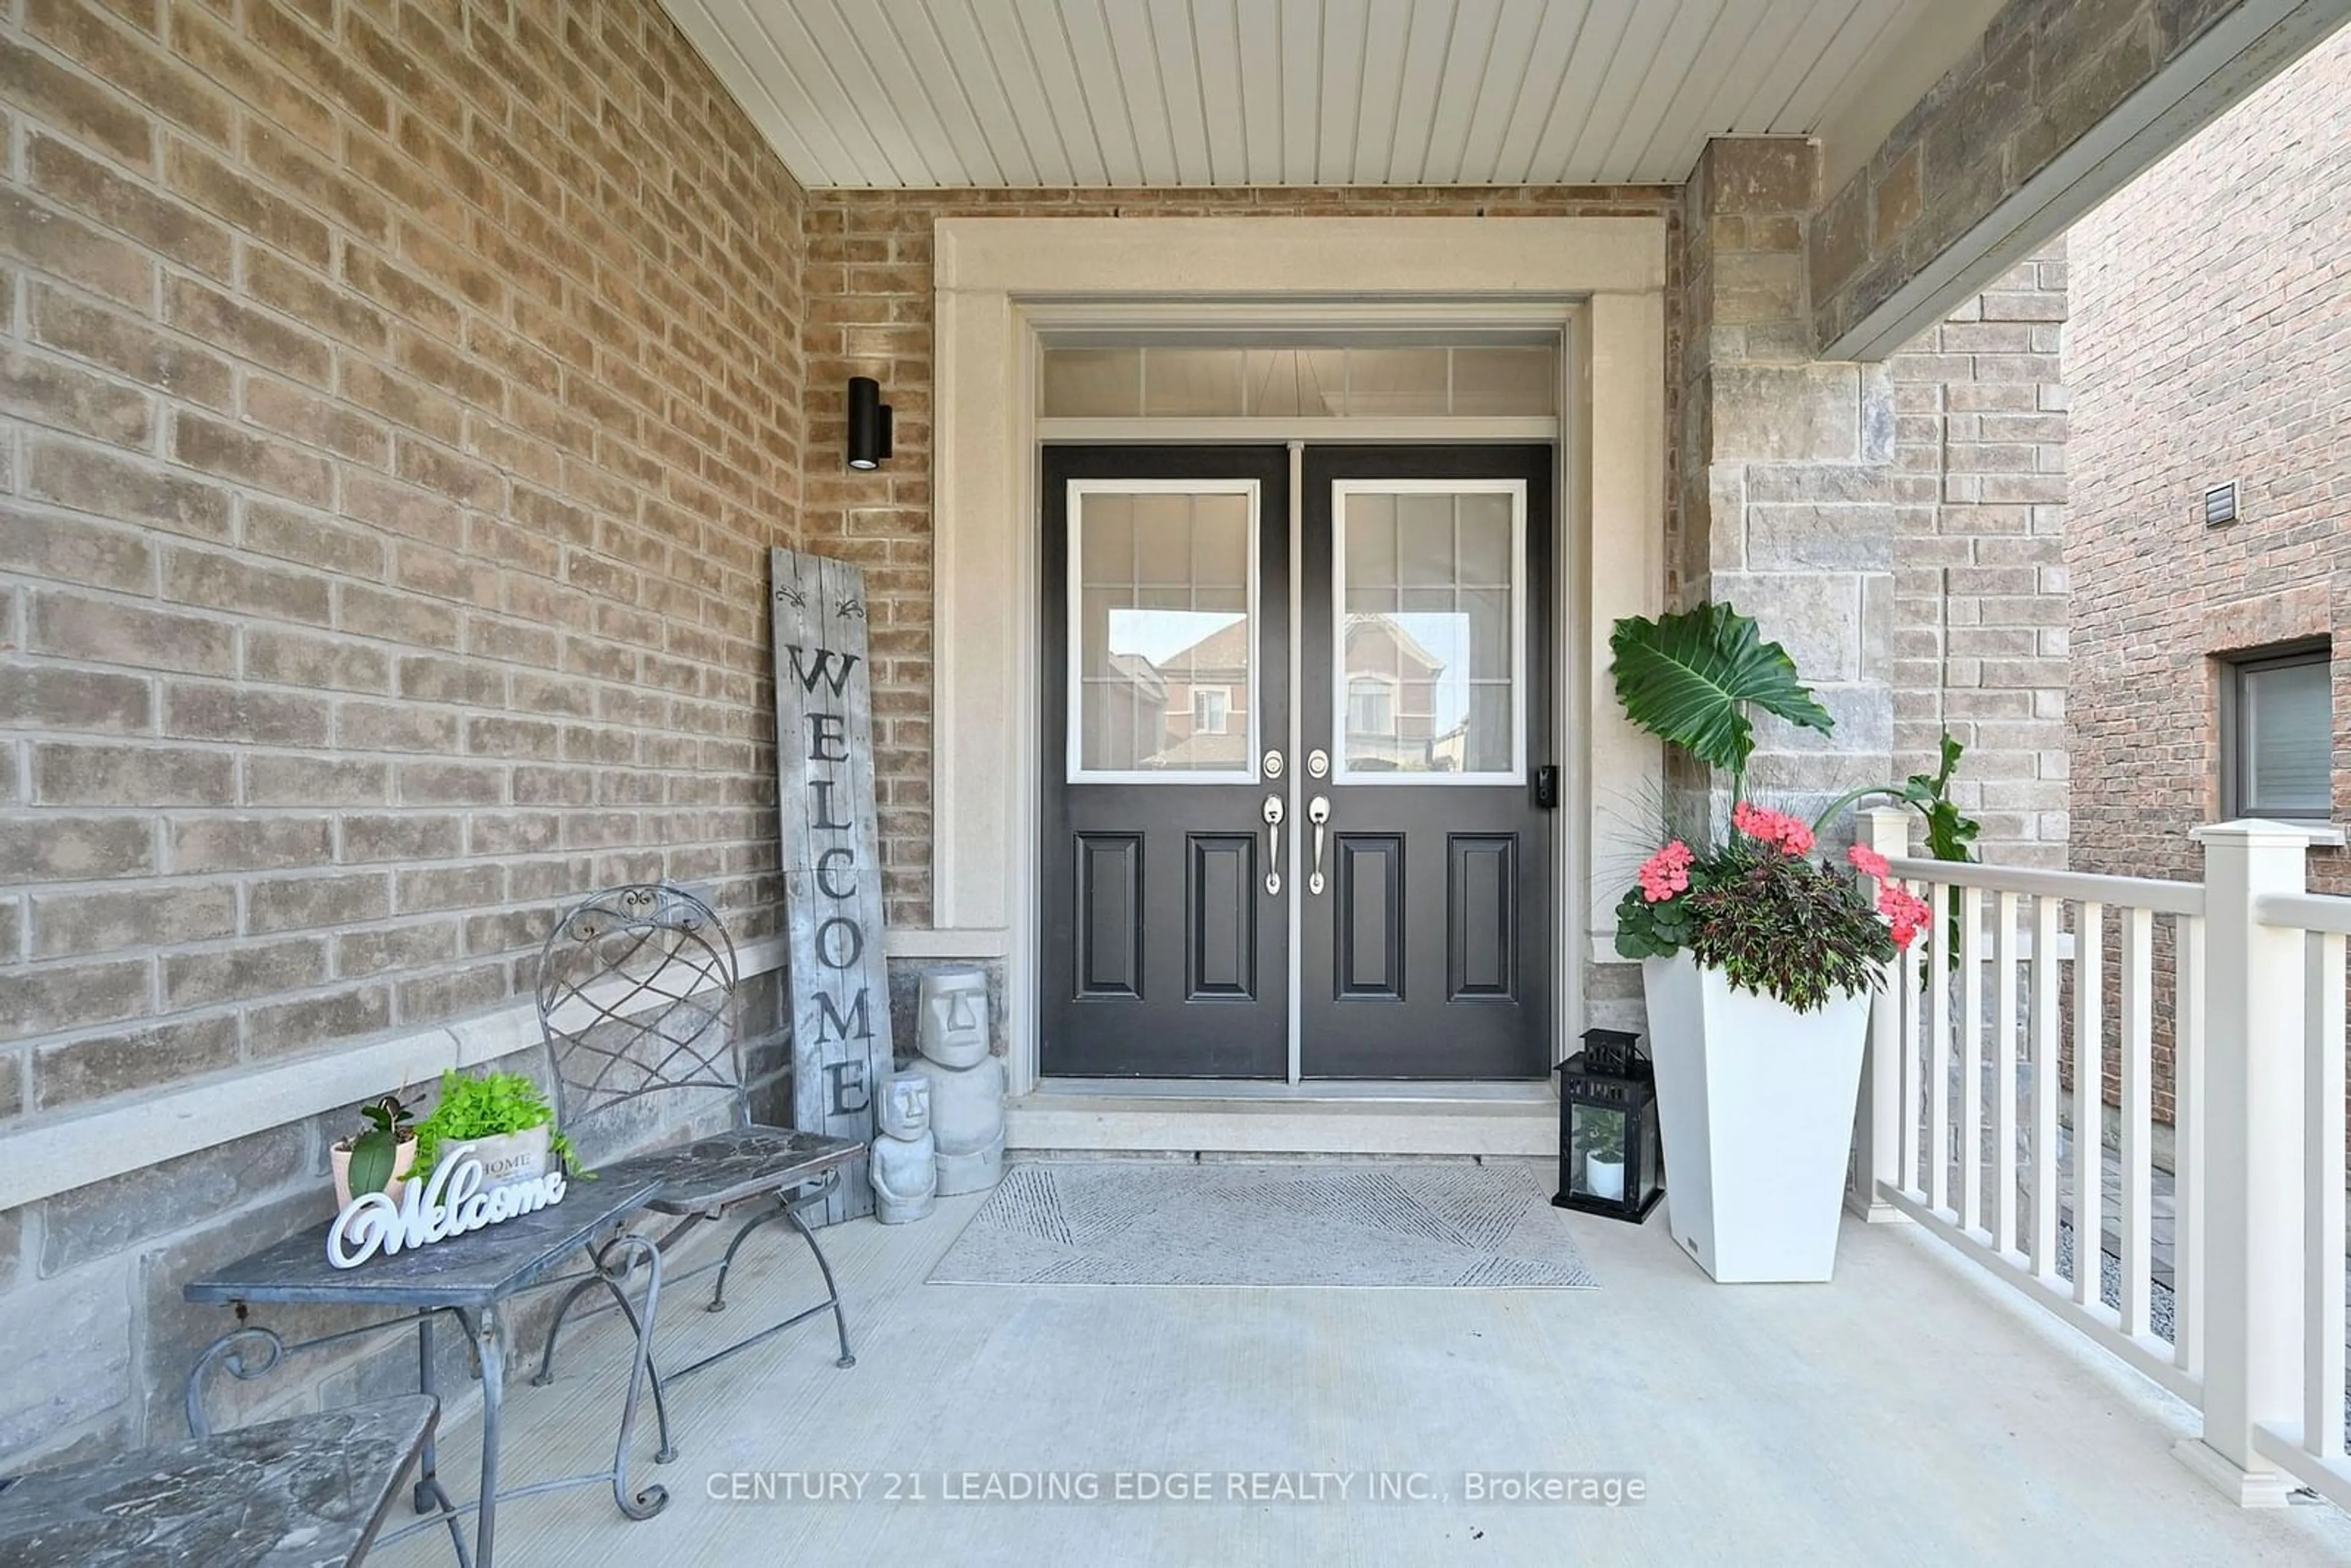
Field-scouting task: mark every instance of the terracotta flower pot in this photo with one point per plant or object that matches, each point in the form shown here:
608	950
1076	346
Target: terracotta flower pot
403	1156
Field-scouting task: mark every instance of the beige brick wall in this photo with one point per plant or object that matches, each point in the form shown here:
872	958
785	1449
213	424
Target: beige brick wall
2211	340
400	397
869	313
1979	494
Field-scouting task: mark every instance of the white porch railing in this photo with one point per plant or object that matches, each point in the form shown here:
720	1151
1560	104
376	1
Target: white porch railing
2254	1204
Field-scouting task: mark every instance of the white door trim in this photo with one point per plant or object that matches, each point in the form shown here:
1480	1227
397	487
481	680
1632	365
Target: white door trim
1600	281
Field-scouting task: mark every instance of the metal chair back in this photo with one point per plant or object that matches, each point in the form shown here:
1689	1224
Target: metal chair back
636	988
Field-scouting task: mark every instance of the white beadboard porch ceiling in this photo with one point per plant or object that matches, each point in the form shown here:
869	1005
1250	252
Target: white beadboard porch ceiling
914	93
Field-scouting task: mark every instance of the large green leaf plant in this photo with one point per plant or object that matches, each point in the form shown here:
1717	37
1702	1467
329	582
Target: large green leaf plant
1690	678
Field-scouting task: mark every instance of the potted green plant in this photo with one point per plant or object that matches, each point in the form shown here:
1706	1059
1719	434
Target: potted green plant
503	1118
1757	960
379	1156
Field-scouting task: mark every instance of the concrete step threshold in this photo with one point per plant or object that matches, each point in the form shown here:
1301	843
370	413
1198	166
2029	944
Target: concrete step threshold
1194	1117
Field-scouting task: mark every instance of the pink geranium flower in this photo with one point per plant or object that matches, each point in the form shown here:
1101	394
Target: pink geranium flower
1868	861
1908	911
1777	829
1667	873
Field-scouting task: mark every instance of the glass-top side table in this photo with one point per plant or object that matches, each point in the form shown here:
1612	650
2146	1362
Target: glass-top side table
470	1278
312	1491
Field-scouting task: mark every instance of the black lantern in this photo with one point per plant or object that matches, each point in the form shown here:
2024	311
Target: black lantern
1610	1052
1608	1161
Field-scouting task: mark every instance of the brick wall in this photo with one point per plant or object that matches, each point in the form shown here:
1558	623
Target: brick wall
869	313
2211	340
401	396
1980	445
1898	528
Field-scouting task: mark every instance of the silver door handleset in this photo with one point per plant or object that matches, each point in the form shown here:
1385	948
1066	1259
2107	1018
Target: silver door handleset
1274	812
1317	812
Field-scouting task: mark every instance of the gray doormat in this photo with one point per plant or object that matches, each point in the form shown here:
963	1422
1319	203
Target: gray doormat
1127	1222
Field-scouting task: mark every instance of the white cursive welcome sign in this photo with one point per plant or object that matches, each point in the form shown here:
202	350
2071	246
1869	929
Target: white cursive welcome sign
451	1204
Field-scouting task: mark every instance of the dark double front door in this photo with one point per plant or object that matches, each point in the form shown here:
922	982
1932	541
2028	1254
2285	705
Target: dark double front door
1290	770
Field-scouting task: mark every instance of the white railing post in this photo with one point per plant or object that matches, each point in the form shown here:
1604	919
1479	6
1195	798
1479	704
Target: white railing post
1877	1119
2251	1239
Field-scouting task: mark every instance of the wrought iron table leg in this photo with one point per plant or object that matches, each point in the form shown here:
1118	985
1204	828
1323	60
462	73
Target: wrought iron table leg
489	1346
653	1499
428	1466
546	1374
430	1497
833	1291
616	1281
718	1296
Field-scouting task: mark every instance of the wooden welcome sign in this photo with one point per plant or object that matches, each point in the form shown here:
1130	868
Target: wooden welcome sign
831	858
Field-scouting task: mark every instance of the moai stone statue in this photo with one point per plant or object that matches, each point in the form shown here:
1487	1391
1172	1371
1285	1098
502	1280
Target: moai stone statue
904	1169
966	1083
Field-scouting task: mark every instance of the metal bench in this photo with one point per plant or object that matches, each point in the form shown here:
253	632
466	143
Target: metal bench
636	986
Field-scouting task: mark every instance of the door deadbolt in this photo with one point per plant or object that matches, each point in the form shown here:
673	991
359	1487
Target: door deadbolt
1318	763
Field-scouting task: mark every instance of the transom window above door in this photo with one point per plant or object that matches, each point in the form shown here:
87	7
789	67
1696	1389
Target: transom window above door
1162	600
1409	378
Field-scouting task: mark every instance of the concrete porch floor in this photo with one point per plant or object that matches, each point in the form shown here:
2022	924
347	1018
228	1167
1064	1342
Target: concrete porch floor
1906	1413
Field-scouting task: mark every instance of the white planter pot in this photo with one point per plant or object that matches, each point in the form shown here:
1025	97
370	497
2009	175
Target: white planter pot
1603	1179
403	1156
1755	1108
508	1158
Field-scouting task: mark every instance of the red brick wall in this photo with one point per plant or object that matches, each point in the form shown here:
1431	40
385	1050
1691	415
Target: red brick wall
869	313
2211	339
402	396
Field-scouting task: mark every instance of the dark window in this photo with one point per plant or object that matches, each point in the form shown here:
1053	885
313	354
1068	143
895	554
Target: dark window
2277	734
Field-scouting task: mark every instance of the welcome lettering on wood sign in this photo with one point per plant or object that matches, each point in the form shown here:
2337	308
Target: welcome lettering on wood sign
832	863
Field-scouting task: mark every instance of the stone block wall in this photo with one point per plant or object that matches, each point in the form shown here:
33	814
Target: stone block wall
1784	465
2043	73
2211	342
400	397
1898	527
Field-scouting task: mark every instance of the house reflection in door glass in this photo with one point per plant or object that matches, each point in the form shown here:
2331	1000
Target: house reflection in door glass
1425	661
1164	644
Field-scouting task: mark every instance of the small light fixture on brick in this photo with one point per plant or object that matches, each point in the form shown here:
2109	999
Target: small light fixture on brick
869	423
2220	505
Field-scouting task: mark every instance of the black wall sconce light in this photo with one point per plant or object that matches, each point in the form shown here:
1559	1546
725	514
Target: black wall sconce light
869	423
